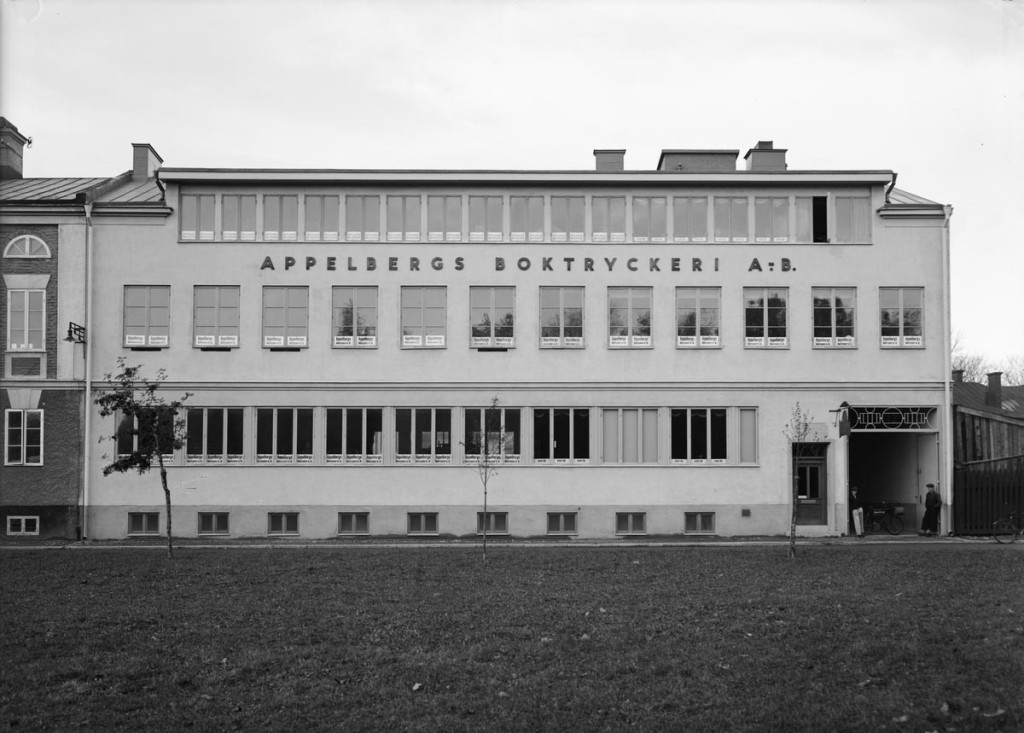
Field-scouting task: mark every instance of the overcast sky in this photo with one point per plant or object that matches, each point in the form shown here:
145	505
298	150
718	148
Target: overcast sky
932	89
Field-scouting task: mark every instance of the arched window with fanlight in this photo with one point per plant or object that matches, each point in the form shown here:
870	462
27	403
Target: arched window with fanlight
27	246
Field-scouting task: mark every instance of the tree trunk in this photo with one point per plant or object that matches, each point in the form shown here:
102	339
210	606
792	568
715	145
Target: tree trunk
792	516
167	503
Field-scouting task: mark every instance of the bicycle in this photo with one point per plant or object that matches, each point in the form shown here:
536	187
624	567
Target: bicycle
882	516
1007	529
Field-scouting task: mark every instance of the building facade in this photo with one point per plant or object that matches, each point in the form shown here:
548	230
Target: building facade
628	347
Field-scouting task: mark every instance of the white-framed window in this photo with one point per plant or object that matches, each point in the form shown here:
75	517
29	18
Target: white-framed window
699	522
215	316
238	217
629	317
698	317
731	222
216	435
492	317
321	218
630	435
147	316
496	429
283	523
143	523
853	219
23	437
630	523
285	316
284	435
353	523
196	217
424	317
901	311
766	318
362	218
834	317
561	318
22	526
526	214
444	218
354	316
422	522
423	435
689	218
771	219
608	218
811	219
280	218
137	432
354	435
26	320
27	246
562	523
567	218
561	435
485	219
493	522
650	219
403	218
699	435
213	523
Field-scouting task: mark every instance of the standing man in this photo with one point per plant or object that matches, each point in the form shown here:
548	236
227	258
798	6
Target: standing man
932	504
857	511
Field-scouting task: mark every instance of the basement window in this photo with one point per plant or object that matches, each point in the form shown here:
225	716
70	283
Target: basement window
22	526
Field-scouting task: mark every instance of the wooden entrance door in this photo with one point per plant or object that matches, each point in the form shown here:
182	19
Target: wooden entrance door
811	477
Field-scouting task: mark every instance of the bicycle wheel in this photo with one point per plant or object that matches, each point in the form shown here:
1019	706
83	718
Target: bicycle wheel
1004	531
895	525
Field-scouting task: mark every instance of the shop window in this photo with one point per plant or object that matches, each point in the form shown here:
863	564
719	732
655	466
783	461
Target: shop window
444	218
321	218
403	218
424	315
630	523
650	219
766	318
527	218
284	435
608	218
561	435
143	523
23	437
22	526
771	219
699	435
213	523
731	223
562	523
215	316
422	522
834	310
26	320
567	217
27	246
698	317
690	219
811	219
196	217
494	432
285	317
853	219
283	523
362	218
216	435
280	218
630	435
354	317
492	317
902	317
354	435
147	316
485	219
238	218
561	318
629	317
423	435
699	522
353	523
137	433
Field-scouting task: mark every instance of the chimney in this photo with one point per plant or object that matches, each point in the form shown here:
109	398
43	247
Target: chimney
12	145
610	160
994	393
958	376
764	157
698	161
145	161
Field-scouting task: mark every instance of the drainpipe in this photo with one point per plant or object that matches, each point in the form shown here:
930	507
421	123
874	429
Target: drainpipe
946	467
87	350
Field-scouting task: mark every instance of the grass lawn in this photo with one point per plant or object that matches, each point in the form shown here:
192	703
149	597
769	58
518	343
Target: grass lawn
898	638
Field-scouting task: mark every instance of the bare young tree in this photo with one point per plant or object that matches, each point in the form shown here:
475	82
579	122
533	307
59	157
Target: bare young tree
802	435
149	424
487	448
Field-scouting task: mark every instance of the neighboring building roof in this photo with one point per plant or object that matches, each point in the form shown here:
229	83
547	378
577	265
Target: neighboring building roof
900	197
971	395
133	192
47	190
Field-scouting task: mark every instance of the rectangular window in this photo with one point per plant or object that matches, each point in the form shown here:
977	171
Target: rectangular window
771	219
853	219
766	318
492	317
354	317
137	433
561	318
748	435
147	315
561	522
422	522
630	435
285	317
403	218
237	218
143	523
215	316
280	218
215	435
353	523
284	435
561	435
608	218
23	431
699	435
629	317
26	320
699	522
424	316
355	435
630	523
690	219
321	218
444	218
567	218
731	223
527	218
197	217
650	219
698	315
902	316
493	522
494	434
23	526
423	435
485	224
834	310
812	219
213	523
362	218
283	523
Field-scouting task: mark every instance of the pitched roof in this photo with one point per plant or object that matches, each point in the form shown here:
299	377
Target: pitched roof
46	190
972	396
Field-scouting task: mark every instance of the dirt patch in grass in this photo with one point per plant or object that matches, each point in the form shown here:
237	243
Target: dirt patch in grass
843	638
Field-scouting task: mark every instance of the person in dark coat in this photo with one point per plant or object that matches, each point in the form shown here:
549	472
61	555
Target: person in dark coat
932	504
